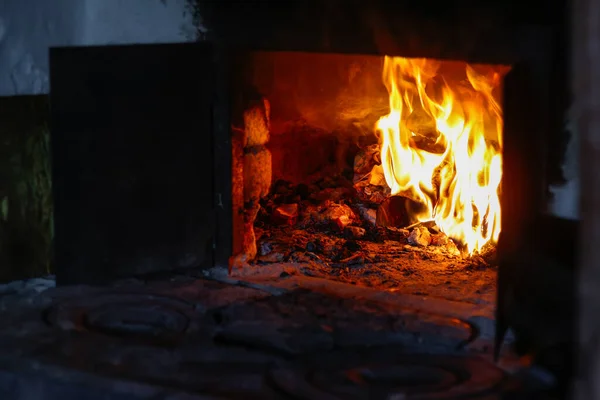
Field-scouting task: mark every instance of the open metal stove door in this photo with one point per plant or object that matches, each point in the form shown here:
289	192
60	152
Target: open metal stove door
132	159
537	251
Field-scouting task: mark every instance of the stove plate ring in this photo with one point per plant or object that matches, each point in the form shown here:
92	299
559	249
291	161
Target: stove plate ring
140	315
388	374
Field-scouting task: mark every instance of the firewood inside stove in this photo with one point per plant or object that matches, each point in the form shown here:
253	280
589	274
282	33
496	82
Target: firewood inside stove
331	220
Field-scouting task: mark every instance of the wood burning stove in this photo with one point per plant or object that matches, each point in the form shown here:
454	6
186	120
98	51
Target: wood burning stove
528	50
165	155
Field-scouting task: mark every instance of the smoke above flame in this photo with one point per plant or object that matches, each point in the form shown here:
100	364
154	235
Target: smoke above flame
441	146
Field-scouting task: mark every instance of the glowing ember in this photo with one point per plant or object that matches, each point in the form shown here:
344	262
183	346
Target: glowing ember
458	183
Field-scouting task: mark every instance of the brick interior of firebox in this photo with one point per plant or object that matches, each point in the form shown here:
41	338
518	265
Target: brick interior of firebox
306	199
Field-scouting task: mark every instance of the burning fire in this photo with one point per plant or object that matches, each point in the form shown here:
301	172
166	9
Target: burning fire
457	177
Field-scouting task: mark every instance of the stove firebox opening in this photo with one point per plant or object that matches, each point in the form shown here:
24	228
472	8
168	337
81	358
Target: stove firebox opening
368	169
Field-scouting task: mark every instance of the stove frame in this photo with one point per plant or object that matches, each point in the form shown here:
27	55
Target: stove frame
529	120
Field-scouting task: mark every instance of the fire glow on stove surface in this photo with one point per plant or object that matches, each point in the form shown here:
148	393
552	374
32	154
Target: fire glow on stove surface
352	162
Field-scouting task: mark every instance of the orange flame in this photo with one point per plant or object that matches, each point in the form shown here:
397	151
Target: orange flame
457	185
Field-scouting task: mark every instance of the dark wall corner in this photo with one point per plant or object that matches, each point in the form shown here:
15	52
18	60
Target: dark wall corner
25	188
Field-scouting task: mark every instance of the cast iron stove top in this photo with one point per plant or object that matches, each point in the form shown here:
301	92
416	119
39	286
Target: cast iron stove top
203	339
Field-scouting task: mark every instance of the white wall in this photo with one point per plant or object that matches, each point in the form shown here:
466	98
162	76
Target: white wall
135	21
28	28
566	198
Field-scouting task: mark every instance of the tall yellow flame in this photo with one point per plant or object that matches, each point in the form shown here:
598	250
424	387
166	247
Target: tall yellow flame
459	184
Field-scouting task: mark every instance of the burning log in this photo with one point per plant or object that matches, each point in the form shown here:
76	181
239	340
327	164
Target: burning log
369	215
372	188
399	235
422	124
369	180
256	124
439	239
424	128
430	225
365	160
433	237
328	215
420	236
371	194
257	173
377	177
247	248
286	214
252	168
339	216
354	232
